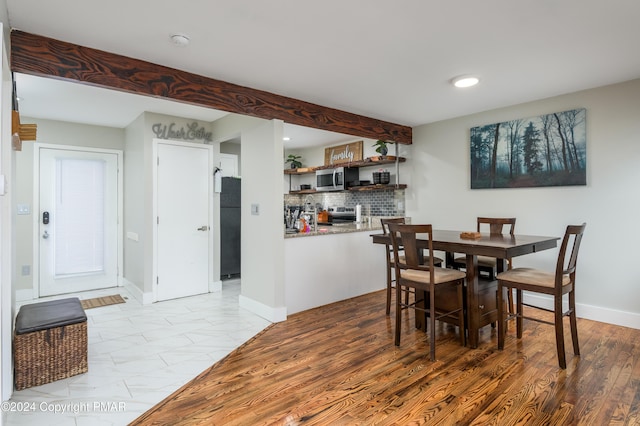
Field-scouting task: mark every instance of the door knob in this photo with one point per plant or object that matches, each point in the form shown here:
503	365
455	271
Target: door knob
45	235
203	228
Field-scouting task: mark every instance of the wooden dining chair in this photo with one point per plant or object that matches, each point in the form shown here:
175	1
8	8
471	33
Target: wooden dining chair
426	278
556	284
489	265
496	226
390	260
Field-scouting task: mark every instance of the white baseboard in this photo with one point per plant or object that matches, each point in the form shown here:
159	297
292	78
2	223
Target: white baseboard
266	312
147	298
215	286
139	295
590	312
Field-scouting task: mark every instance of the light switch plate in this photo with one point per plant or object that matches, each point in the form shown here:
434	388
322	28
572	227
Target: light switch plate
255	209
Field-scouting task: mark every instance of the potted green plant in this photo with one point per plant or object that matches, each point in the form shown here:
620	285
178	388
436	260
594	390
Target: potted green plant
294	160
381	147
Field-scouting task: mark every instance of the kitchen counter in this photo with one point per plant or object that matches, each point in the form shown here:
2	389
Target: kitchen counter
339	228
323	270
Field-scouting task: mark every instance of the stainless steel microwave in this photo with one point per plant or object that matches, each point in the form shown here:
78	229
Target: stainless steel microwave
336	179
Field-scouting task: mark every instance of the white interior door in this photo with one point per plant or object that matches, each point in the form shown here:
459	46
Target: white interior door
229	165
78	220
182	202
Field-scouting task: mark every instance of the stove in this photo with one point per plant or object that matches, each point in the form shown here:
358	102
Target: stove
342	214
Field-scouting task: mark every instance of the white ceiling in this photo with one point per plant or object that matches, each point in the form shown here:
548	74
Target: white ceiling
79	103
387	60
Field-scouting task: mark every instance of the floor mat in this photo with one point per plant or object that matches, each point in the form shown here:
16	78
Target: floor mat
102	301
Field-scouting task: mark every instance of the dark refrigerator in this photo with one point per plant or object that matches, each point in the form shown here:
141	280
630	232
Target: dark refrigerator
230	228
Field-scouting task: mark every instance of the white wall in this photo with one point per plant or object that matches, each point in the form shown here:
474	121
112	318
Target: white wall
134	204
607	277
51	132
262	252
231	126
139	187
7	232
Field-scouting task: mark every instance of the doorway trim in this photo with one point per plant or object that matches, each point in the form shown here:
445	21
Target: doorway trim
35	212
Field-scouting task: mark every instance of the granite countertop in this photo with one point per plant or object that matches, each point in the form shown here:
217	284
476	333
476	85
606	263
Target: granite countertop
339	228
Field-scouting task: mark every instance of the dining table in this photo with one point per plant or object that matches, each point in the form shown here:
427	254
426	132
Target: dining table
480	295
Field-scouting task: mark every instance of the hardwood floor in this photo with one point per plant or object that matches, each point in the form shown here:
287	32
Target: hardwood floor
337	365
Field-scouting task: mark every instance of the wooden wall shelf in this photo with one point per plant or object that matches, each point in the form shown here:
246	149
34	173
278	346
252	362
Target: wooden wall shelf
352	189
377	187
300	171
367	162
304	191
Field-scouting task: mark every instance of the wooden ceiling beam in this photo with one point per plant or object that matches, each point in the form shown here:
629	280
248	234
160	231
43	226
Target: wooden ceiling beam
46	57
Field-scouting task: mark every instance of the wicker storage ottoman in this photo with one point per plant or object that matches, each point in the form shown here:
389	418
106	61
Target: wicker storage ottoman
50	342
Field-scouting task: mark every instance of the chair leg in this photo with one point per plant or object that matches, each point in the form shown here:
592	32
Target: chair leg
432	321
398	312
501	317
557	308
388	288
510	299
574	322
406	296
519	313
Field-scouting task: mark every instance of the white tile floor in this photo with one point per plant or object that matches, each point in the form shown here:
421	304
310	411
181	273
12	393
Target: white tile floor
138	355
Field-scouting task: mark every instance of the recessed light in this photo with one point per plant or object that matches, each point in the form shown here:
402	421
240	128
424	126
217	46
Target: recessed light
286	138
465	81
180	39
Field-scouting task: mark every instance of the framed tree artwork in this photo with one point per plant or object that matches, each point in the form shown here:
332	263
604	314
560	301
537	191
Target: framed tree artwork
548	150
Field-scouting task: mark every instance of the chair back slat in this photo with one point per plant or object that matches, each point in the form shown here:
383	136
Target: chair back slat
497	224
406	236
385	230
385	223
568	259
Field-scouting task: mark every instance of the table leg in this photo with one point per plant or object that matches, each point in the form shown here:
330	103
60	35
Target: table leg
448	258
421	316
473	312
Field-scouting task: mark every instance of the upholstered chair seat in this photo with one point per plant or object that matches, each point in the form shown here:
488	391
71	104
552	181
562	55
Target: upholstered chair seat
534	277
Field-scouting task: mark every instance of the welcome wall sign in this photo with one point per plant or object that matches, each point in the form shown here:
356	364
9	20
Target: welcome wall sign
189	132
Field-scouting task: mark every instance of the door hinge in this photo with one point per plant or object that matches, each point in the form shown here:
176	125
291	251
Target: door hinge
157	280
157	220
158	161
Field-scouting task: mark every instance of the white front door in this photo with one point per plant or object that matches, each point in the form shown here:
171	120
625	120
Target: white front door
77	220
183	199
